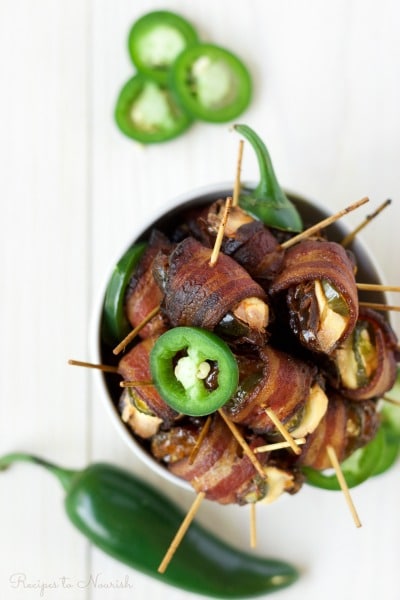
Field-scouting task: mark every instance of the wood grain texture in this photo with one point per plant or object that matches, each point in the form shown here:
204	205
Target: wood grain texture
73	191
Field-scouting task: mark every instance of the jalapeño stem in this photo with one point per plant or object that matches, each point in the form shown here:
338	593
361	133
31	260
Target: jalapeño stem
267	201
65	476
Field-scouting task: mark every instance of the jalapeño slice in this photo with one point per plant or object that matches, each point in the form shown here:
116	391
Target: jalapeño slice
211	83
147	112
156	39
194	370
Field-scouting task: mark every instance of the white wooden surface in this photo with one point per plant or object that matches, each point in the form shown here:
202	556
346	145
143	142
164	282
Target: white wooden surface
72	189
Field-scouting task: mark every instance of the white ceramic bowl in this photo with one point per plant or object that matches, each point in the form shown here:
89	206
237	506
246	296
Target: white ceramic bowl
109	390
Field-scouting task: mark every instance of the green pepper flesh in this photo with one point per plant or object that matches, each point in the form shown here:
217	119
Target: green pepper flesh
390	450
115	325
390	415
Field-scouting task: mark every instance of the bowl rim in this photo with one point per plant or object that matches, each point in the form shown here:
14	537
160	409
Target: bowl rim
189	197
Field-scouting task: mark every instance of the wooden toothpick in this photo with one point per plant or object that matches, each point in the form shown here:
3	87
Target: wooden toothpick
240	439
378	306
253	525
391	400
200	440
377	287
343	485
181	532
220	234
129	384
122	345
346	241
278	445
283	431
236	189
105	368
324	223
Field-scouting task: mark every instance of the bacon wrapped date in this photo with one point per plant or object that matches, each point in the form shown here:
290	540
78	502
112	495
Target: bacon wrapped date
199	295
346	427
321	294
143	399
276	380
220	468
365	365
246	240
143	293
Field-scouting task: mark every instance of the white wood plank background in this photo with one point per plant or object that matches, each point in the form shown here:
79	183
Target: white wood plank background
72	191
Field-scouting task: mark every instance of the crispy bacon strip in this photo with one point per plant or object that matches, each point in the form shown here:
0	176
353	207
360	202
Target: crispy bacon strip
246	240
199	295
313	260
135	366
385	342
283	384
257	250
346	426
143	294
220	469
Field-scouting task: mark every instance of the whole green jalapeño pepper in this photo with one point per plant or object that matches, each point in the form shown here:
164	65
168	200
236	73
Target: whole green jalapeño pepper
267	202
134	523
194	370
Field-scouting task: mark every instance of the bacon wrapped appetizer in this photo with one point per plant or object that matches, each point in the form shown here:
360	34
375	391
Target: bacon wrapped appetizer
143	293
141	406
199	295
265	341
365	365
220	469
346	427
321	294
287	385
246	240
